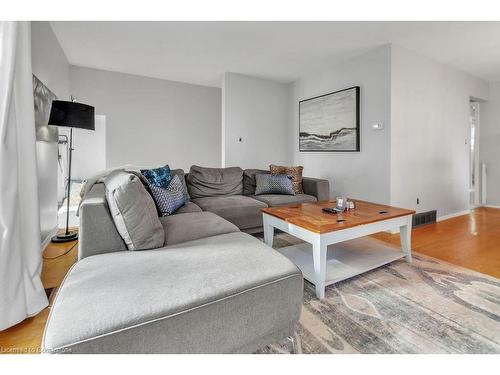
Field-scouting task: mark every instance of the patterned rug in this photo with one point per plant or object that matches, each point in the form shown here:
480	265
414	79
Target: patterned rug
429	306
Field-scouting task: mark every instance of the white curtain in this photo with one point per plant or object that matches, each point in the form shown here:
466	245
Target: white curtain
21	290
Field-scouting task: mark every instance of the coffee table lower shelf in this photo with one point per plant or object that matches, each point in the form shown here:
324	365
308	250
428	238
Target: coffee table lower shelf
344	259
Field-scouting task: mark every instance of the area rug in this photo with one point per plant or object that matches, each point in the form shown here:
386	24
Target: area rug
429	306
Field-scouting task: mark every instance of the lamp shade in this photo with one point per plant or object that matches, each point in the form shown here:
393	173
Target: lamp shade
72	114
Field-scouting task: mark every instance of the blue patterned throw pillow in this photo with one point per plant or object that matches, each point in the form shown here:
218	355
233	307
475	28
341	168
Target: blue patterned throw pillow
160	177
273	184
170	199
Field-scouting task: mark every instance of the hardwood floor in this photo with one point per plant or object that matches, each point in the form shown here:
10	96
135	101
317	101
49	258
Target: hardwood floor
471	241
57	260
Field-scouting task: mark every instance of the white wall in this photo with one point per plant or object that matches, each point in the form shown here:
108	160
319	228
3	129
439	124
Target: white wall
366	174
489	143
50	65
152	122
257	111
49	62
89	155
429	129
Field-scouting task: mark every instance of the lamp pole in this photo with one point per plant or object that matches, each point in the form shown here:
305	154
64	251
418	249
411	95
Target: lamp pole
69	179
68	236
72	115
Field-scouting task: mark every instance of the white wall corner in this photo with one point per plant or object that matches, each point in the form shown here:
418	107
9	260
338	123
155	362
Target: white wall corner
223	122
48	238
430	98
256	121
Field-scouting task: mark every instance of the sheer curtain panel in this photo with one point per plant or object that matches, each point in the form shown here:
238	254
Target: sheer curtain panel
21	291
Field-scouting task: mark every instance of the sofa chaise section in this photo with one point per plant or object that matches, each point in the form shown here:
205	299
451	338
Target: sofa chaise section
223	294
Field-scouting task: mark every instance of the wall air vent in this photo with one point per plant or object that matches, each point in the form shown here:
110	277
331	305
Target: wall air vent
424	218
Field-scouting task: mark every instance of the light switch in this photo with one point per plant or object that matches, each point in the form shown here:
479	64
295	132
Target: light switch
378	126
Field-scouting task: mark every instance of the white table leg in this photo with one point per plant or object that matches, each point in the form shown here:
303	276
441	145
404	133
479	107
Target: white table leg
268	231
405	237
319	258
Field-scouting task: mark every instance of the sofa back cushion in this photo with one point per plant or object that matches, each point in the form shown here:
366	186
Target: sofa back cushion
249	180
133	211
210	182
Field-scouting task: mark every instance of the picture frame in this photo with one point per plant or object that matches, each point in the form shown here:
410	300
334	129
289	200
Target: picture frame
42	100
330	122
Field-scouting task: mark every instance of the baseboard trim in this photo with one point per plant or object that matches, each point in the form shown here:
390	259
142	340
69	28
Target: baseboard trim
47	239
490	206
451	216
441	218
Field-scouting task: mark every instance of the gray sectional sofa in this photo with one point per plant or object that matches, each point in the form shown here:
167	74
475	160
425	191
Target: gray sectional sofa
212	288
230	196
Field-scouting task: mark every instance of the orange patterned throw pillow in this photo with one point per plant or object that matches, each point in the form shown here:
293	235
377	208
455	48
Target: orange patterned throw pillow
294	172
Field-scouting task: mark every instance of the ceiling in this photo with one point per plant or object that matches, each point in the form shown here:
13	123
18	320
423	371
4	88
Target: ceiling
200	52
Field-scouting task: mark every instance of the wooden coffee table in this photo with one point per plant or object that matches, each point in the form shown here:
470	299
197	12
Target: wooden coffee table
320	229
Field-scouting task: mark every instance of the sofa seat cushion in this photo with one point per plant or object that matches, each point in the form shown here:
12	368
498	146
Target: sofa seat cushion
188	207
194	225
242	211
273	200
221	294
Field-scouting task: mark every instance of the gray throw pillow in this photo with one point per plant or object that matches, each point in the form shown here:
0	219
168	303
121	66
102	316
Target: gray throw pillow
134	212
211	182
249	180
182	176
273	184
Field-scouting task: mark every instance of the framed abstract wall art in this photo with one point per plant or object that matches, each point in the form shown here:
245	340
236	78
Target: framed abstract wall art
43	98
330	122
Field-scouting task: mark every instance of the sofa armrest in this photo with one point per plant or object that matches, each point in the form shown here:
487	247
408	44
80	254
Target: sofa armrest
98	234
317	187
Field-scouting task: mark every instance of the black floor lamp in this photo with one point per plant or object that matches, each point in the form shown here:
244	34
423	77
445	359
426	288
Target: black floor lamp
72	115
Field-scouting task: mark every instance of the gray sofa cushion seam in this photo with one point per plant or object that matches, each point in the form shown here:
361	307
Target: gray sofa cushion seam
162	317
